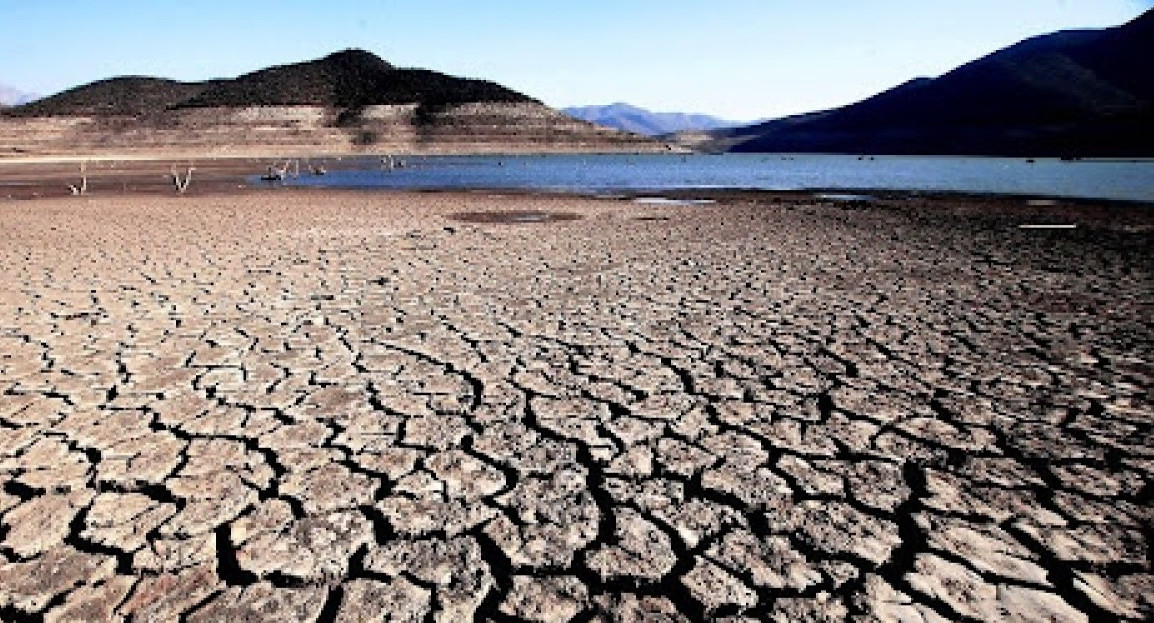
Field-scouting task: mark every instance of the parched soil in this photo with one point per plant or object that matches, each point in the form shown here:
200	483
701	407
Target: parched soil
299	406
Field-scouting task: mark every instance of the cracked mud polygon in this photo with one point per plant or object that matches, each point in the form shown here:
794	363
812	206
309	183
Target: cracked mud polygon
359	407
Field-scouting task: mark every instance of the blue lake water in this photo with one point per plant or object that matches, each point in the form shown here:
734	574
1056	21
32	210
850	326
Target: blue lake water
1095	179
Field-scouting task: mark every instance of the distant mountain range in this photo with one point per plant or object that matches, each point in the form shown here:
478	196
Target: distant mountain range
11	96
640	121
1071	93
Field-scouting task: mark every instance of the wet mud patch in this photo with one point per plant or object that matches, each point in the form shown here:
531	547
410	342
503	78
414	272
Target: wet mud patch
517	217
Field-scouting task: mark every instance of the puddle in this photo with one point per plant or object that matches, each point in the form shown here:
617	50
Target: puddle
843	197
666	201
514	218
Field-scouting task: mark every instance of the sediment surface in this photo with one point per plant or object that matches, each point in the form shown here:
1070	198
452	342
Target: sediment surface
201	133
357	406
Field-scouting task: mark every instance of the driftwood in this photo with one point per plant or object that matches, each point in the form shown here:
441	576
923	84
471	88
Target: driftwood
315	168
274	174
82	189
279	174
388	161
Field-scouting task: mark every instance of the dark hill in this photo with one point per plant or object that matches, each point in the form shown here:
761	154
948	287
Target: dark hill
351	78
1084	93
132	95
347	79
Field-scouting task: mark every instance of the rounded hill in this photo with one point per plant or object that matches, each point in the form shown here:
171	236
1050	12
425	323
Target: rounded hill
350	78
346	79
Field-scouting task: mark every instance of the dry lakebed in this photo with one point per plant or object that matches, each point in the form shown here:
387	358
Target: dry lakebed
358	406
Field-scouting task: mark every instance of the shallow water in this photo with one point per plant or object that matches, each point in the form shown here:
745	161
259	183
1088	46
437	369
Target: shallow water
1094	179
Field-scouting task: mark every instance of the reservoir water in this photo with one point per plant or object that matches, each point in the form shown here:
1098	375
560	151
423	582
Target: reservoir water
1131	180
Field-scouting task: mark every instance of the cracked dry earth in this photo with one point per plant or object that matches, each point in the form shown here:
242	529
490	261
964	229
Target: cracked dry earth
354	407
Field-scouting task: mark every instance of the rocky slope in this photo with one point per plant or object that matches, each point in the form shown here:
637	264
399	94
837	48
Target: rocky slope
347	102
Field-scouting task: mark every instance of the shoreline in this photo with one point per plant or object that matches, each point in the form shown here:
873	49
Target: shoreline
127	174
1113	214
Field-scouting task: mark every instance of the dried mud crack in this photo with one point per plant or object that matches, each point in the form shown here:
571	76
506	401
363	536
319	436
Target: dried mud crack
459	407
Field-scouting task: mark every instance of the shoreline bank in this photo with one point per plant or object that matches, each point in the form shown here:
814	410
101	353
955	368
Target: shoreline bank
843	181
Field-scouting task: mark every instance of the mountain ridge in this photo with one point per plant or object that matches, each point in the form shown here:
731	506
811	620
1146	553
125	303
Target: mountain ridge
630	118
350	78
12	96
1069	93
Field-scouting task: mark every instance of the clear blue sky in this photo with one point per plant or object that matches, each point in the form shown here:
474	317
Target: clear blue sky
739	59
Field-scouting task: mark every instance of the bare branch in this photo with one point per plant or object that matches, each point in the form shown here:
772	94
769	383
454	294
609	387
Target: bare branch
182	184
